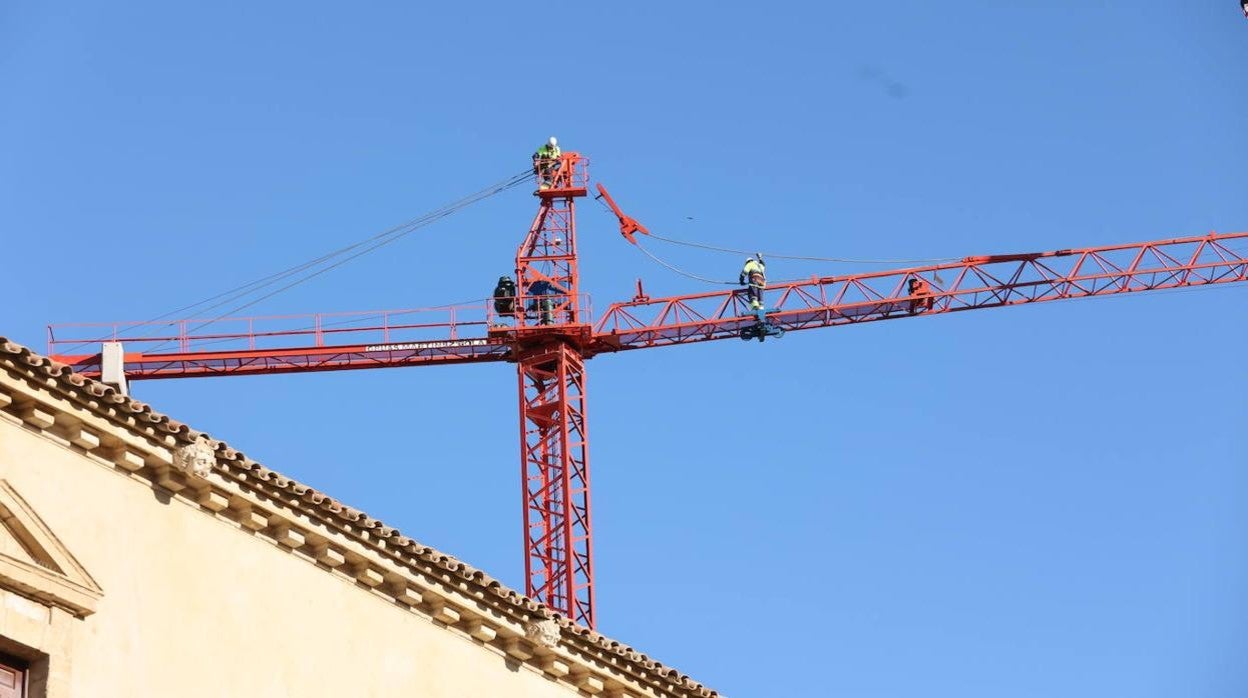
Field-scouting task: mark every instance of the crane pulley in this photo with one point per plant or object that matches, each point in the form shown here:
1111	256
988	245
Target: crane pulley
762	328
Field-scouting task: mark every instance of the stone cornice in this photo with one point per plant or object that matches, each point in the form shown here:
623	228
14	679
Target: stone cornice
128	437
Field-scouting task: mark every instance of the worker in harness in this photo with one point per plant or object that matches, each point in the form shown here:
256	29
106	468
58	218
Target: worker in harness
505	297
754	277
546	162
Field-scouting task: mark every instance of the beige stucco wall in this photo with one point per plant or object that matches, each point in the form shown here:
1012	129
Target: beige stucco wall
194	606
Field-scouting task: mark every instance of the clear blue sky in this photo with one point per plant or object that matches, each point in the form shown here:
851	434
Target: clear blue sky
1034	502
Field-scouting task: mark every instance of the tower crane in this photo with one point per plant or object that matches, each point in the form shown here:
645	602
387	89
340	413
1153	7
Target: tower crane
547	332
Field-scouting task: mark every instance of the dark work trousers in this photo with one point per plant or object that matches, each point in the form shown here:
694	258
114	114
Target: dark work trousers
754	292
544	307
545	169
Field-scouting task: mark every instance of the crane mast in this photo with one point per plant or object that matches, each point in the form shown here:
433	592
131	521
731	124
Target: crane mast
548	341
547	332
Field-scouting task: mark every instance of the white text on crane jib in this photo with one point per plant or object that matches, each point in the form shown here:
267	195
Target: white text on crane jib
443	344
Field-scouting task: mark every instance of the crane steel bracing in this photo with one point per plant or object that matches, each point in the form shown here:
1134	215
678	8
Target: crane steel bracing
554	457
548	336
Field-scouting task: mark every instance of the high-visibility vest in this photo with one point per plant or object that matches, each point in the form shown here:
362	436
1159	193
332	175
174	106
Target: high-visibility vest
547	152
755	272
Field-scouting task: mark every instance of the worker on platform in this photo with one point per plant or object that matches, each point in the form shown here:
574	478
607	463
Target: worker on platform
546	162
542	304
505	297
754	277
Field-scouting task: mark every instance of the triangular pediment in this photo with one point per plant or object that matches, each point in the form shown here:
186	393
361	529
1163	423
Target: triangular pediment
35	564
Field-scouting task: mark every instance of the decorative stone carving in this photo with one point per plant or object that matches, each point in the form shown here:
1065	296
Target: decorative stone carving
196	458
543	632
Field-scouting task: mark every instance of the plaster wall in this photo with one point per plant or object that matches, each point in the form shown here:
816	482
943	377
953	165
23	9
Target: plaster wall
196	606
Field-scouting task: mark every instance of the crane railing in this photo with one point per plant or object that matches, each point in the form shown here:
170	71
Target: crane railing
973	282
274	331
570	171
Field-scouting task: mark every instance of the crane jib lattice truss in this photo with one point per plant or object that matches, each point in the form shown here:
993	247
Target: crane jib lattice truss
548	332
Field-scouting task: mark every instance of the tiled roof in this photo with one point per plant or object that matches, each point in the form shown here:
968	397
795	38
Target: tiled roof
105	401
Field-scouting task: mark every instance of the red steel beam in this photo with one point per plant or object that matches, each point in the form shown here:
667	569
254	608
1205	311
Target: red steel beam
191	364
297	360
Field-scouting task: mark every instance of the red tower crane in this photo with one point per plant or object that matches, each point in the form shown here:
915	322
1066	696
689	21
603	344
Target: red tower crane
548	334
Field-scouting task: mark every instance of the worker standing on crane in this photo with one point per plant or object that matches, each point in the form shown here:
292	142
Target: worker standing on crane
505	297
545	162
754	277
540	303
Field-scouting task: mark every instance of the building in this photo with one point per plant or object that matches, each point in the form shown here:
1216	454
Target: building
141	558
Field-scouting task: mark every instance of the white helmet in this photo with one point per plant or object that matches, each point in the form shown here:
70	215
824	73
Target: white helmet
749	259
553	142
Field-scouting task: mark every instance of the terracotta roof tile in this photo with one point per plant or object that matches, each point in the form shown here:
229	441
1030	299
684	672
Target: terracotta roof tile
74	383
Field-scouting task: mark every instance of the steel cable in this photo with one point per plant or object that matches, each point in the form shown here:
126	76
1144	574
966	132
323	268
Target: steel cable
395	234
774	255
380	239
682	272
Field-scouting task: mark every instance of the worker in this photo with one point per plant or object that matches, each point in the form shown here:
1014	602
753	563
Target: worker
918	287
754	277
1243	5
546	162
538	290
505	297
